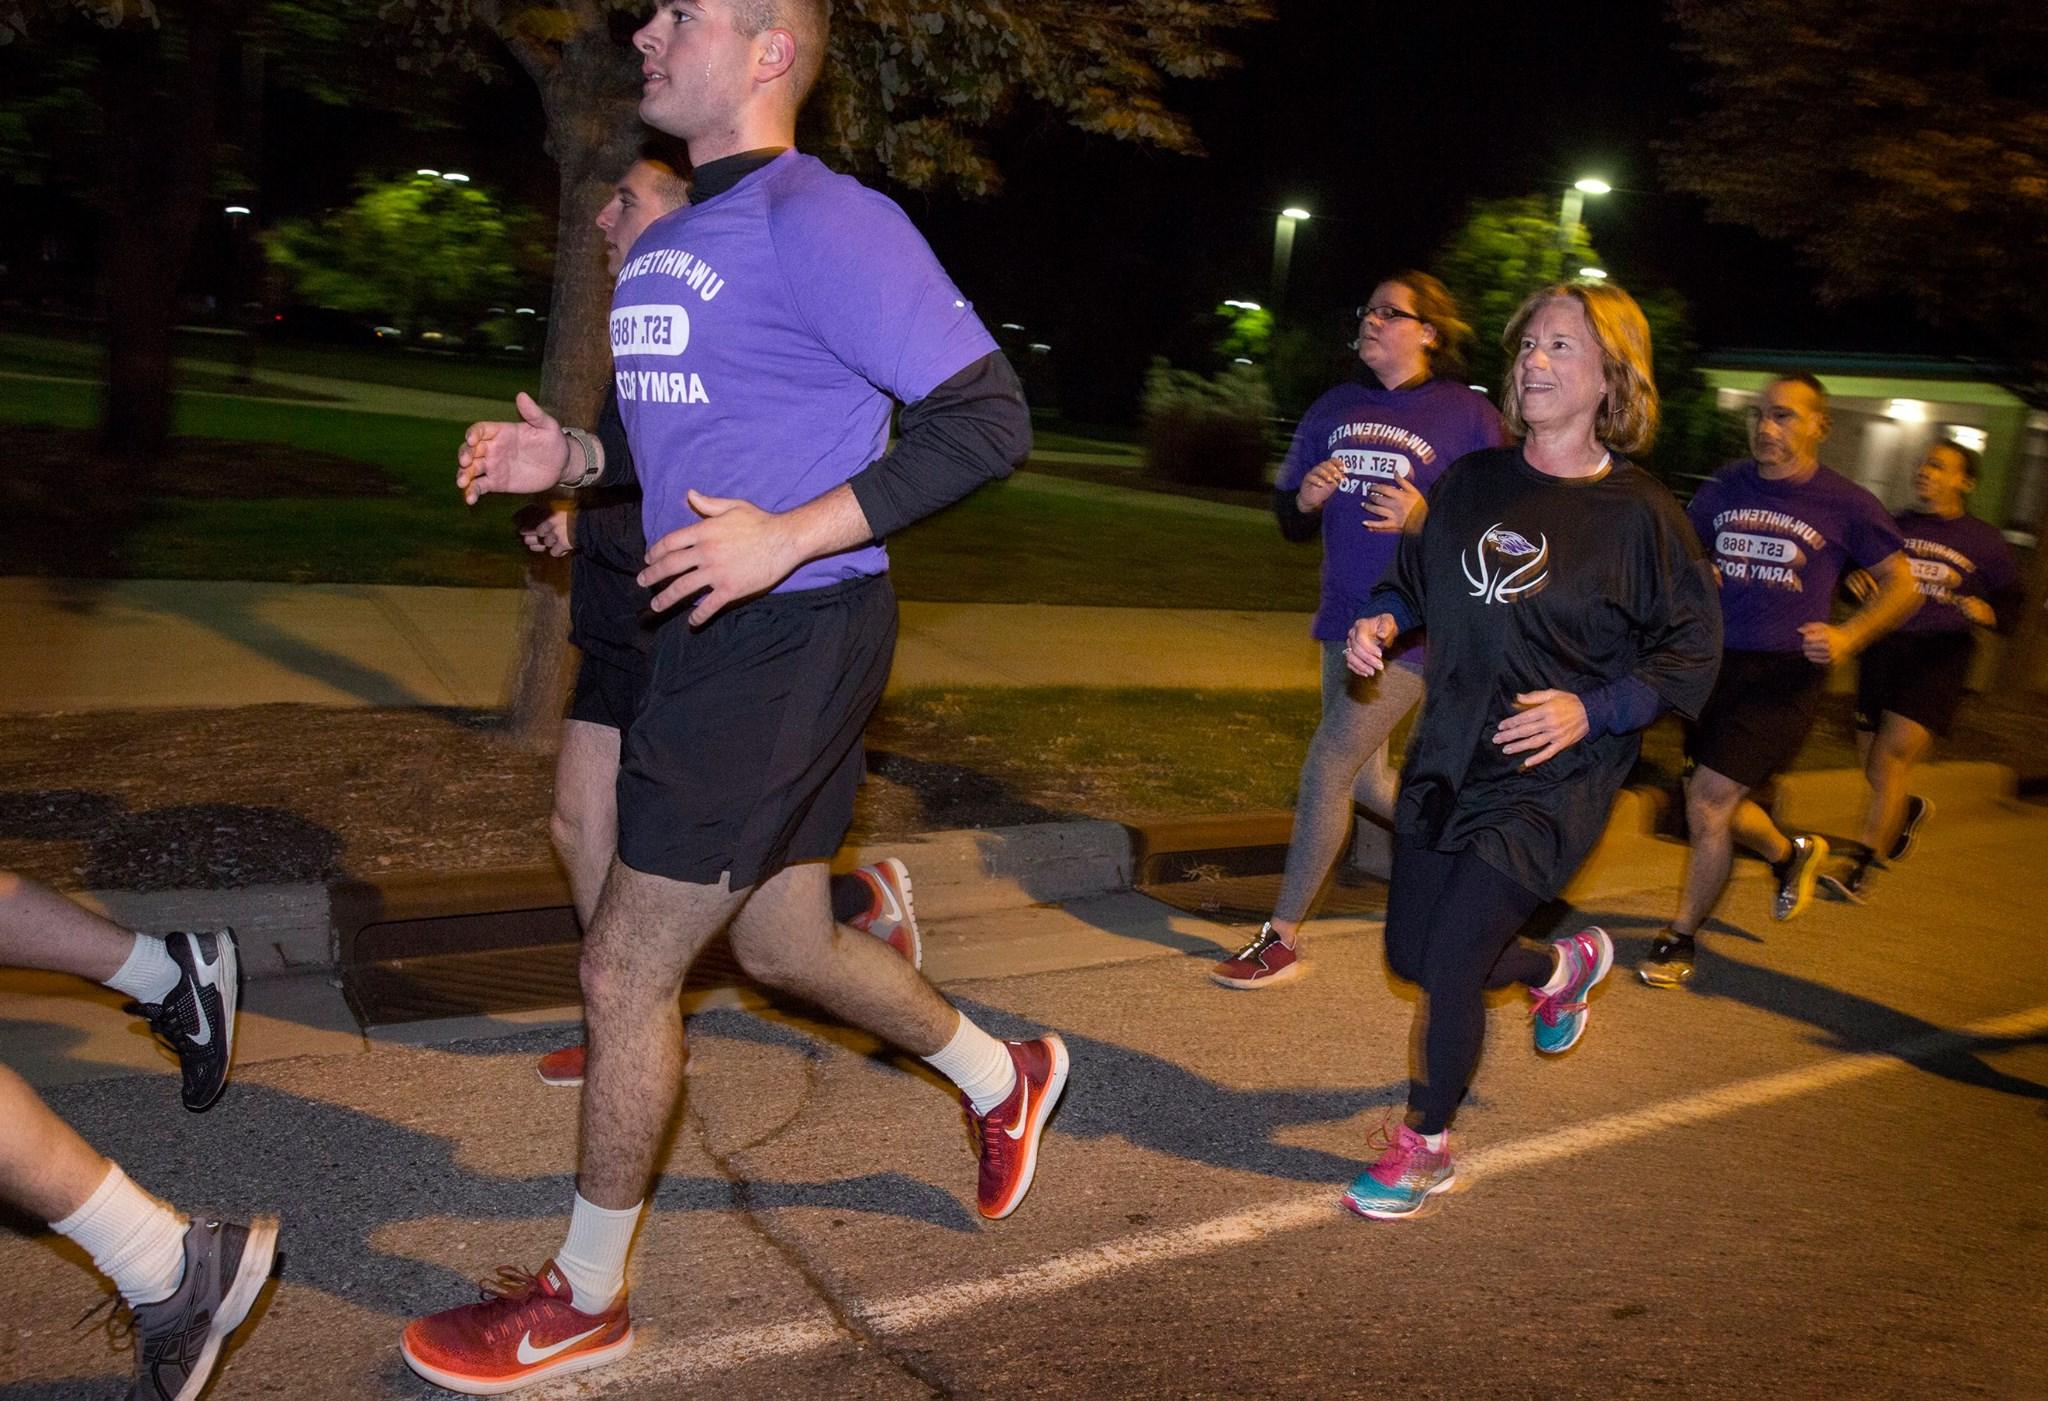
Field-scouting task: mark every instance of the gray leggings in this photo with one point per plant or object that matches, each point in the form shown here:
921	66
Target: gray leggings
1346	763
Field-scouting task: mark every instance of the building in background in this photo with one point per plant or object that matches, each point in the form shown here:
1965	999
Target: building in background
1888	409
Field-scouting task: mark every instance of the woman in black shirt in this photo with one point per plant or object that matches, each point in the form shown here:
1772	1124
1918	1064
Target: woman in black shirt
1567	604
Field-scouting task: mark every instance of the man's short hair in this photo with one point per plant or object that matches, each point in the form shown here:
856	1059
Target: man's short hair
809	20
1969	457
1805	377
669	161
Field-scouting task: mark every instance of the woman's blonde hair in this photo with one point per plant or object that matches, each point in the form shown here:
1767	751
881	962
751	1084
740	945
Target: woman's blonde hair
1627	419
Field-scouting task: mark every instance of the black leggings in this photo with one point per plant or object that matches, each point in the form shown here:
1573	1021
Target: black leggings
1451	926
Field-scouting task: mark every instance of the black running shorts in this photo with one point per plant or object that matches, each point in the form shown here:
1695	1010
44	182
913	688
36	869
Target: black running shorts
607	693
1762	707
746	752
1918	675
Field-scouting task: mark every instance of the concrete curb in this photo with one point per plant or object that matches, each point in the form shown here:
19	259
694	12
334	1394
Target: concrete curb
293	929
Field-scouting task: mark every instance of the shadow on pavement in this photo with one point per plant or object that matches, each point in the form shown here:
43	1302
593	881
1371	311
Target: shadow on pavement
1155	1104
1847	1022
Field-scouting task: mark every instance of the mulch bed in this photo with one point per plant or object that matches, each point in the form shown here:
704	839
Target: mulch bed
222	798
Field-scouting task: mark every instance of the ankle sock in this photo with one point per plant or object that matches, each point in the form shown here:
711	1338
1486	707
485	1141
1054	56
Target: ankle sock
134	1239
150	974
979	1064
1561	974
1437	1142
593	1258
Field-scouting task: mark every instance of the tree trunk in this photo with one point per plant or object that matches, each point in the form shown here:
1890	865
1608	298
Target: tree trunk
160	96
593	133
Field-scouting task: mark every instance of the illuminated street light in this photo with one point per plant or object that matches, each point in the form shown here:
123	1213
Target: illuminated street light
1574	207
1283	251
1593	274
1242	305
456	177
430	174
236	209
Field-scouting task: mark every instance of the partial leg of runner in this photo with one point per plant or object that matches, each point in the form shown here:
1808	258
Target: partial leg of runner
585	822
1346	762
187	986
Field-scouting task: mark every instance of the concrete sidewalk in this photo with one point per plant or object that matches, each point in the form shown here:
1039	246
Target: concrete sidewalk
145	644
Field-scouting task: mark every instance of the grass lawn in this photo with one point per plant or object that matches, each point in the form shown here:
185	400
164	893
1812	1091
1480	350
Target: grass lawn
1007	543
209	362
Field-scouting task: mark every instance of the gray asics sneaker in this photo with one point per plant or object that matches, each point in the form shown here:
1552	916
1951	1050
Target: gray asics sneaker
197	1020
178	1340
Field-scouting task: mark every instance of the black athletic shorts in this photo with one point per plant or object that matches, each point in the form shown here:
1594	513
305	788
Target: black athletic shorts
1759	714
607	692
746	752
1919	675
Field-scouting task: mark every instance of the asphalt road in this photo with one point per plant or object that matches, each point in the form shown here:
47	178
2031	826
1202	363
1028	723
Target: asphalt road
1817	1172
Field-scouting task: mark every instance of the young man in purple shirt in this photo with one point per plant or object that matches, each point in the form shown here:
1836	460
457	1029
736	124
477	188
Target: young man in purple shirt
761	338
1909	684
1780	529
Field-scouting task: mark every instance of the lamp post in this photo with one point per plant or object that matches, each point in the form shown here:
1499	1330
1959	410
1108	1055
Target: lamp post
1283	249
1574	206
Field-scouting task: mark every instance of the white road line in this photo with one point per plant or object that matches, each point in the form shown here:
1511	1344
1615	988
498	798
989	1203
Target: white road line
906	1313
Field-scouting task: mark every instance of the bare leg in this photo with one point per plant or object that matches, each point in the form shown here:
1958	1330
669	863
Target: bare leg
1711	800
46	1169
585	824
1752	826
41	929
785	938
1889	758
646	932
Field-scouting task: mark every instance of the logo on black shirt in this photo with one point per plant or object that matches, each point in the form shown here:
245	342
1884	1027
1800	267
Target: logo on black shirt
1509	567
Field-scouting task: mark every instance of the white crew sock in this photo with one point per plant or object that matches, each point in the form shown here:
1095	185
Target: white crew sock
1559	975
979	1064
150	974
136	1240
593	1258
1436	1142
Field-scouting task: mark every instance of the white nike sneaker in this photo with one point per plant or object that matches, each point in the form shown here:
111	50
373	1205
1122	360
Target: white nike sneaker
197	1021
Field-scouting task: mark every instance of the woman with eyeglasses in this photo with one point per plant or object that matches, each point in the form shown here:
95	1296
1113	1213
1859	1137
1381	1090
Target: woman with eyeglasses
1361	463
1568	602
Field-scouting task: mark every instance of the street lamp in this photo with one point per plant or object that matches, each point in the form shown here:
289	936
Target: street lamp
1283	248
1593	274
1574	206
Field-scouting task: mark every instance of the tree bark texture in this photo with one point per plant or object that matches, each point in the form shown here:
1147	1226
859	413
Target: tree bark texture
594	132
161	98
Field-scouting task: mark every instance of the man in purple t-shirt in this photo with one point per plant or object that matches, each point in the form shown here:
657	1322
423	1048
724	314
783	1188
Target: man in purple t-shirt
1780	529
1909	684
761	338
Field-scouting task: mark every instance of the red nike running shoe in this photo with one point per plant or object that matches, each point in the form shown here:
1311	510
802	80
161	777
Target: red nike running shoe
1007	1136
526	1327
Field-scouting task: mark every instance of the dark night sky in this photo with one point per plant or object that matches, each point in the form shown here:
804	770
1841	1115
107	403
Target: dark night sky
1384	119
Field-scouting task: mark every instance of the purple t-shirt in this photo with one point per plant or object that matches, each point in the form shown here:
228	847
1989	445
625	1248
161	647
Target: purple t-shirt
1782	547
1378	434
1952	559
759	339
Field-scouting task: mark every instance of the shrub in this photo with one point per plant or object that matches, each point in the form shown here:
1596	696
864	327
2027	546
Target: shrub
1207	430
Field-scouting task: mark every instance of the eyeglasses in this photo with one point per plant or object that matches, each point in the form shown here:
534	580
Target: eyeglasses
1385	312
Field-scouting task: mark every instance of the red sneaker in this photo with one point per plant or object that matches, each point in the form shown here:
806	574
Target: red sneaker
525	1328
563	1067
1007	1136
1263	962
892	920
